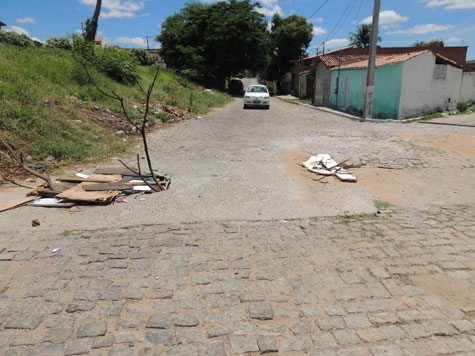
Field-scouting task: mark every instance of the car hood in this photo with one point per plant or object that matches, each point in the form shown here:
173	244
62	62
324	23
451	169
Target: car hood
257	95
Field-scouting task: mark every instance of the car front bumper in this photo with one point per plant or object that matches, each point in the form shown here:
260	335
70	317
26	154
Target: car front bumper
256	102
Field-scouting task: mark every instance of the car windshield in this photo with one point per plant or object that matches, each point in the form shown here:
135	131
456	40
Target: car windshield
256	89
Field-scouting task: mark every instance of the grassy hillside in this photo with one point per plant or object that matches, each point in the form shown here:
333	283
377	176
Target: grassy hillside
47	105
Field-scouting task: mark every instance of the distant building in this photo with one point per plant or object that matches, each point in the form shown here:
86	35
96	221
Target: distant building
316	78
160	61
406	85
2	24
99	41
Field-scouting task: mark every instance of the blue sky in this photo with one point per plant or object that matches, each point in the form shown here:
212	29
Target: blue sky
128	22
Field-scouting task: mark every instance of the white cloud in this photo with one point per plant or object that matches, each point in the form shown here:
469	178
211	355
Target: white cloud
390	26
36	39
78	32
319	20
19	30
422	30
117	8
386	17
337	42
451	4
137	41
319	31
453	39
26	20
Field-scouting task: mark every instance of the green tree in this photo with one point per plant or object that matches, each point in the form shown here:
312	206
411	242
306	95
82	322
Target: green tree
431	43
59	42
291	37
362	37
215	41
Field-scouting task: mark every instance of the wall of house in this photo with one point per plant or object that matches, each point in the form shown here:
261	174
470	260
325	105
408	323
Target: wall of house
424	88
387	91
322	74
467	93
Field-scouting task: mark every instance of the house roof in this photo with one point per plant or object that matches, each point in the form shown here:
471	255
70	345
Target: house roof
334	59
99	39
383	59
2	23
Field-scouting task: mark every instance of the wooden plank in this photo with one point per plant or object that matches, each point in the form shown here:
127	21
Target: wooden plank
96	187
15	203
95	178
79	194
117	170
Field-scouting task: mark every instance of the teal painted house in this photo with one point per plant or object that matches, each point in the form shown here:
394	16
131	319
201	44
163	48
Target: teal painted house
406	85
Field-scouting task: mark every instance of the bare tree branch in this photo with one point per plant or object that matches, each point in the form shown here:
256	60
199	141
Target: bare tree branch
13	155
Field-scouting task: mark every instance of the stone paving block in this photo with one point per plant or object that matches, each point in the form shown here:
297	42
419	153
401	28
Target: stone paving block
460	344
243	344
324	341
214	348
463	326
159	321
296	343
182	350
24	321
160	337
357	321
330	323
92	329
57	335
185	320
267	344
439	347
346	337
244	328
78	347
261	311
272	330
217	331
418	348
188	335
103	342
371	335
302	327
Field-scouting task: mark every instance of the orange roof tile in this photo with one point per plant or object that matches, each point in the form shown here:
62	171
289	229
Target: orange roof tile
382	60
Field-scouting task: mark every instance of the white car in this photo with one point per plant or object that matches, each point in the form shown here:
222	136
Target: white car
256	95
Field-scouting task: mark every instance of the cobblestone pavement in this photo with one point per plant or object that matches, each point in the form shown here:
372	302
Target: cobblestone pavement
399	283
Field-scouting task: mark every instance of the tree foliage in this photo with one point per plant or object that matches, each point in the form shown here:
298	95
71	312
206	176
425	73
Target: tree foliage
431	43
59	42
16	39
291	37
362	37
215	41
143	57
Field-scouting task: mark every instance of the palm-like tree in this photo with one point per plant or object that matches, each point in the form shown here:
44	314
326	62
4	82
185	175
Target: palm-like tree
362	37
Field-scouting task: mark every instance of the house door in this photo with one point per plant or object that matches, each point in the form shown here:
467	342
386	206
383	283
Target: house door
326	93
303	86
345	102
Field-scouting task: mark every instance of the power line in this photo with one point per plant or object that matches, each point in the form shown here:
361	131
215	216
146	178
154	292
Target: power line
318	9
342	19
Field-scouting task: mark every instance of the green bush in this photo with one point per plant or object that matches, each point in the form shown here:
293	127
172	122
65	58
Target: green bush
143	57
59	42
118	64
16	39
462	106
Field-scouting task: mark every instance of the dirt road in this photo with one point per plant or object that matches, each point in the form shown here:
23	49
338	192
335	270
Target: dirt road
237	164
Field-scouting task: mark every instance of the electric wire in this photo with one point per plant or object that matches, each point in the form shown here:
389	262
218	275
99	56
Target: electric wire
318	9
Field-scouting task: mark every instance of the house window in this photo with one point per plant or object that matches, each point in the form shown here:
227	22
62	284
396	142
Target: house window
440	71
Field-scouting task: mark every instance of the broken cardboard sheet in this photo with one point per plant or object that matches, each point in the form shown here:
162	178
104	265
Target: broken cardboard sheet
15	203
324	165
78	193
52	203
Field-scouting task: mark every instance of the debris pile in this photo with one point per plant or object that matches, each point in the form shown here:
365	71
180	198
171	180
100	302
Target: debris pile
104	186
324	165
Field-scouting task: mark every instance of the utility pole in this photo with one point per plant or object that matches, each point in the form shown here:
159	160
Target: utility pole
323	43
369	92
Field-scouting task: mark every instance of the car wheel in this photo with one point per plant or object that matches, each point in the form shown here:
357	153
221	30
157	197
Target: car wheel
245	106
267	107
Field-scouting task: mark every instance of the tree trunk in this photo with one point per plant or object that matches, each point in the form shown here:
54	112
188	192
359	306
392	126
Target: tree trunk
94	22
